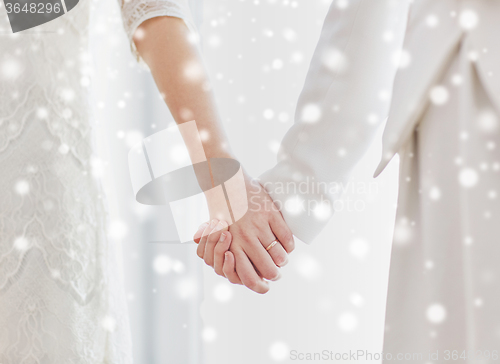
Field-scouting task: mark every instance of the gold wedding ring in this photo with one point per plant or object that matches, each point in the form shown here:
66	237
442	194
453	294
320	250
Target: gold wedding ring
272	244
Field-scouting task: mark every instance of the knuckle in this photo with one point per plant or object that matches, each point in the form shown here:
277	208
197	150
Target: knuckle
212	238
245	235
252	284
288	240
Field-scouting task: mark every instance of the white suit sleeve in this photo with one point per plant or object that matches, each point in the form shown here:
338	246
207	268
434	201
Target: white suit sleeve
345	97
135	12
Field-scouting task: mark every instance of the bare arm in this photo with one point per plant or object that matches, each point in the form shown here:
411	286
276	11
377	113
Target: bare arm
166	46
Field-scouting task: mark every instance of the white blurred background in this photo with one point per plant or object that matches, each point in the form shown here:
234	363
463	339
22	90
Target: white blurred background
332	294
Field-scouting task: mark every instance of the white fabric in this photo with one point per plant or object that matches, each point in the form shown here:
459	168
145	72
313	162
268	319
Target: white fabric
442	295
430	48
354	72
61	299
444	277
345	97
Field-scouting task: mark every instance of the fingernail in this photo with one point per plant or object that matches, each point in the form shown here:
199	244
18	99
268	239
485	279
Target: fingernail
277	278
285	262
223	223
222	237
226	255
213	223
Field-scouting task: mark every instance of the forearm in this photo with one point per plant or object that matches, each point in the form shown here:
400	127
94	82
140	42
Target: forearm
179	72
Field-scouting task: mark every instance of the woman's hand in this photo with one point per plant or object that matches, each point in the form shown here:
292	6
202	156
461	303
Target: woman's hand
248	262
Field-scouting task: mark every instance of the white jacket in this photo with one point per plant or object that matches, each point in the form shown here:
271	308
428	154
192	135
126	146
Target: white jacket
347	92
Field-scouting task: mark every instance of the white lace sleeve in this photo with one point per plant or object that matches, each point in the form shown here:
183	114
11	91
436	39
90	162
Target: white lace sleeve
135	12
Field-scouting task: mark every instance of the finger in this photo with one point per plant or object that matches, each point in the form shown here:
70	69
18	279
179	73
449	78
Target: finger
203	241
260	258
212	240
201	229
220	249
229	268
282	232
248	275
276	251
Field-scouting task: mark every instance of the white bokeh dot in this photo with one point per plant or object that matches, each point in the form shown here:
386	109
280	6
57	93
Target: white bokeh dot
178	267
335	60
342	4
436	313
432	20
279	351
223	292
311	113
268	114
294	205
162	264
401	59
63	148
388	36
457	79
348	322
209	334
21	243
468	19
359	248
117	230
439	95
468	177
402	232
289	34
193	71
186	288
278	64
487	121
22	187
179	154
11	69
356	299
323	211
307	266
108	323
42	113
435	193
133	137
429	264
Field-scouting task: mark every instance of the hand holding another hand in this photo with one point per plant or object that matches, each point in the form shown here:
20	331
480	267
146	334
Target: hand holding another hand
254	248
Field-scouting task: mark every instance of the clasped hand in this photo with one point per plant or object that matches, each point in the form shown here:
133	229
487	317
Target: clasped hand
252	250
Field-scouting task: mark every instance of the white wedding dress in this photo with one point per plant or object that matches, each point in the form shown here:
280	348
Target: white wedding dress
61	299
